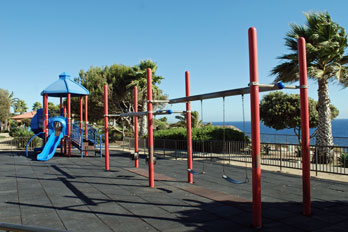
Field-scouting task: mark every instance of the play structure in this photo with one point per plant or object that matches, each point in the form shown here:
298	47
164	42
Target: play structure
57	131
253	89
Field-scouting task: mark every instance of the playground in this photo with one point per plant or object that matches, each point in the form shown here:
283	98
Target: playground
108	191
70	194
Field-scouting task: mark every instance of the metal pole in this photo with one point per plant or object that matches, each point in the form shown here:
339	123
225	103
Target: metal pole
306	175
255	129
46	115
136	144
232	92
150	128
188	129
65	136
281	158
86	121
81	112
69	124
60	111
106	125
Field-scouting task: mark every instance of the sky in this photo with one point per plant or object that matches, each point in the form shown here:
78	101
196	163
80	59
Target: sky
41	39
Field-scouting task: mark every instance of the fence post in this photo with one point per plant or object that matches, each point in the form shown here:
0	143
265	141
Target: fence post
164	148
316	161
129	144
175	146
281	158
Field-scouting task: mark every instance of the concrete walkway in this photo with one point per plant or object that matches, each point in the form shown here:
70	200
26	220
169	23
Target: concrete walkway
78	195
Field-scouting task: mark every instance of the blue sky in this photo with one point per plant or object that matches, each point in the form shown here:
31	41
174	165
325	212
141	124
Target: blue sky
41	39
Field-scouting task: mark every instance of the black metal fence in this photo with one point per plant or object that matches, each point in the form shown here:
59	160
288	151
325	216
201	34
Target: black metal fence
333	159
328	159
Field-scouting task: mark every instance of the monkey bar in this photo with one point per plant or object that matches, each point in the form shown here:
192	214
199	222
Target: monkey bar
233	92
253	89
137	114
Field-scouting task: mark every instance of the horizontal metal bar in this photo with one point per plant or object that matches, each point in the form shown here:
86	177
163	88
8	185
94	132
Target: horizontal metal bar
137	114
159	101
21	228
226	93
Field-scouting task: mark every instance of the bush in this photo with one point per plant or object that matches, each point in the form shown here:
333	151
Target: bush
344	160
22	136
203	133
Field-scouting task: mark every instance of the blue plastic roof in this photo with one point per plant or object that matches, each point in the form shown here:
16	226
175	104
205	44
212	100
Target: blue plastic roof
63	86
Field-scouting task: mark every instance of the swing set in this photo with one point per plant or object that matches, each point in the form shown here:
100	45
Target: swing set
253	89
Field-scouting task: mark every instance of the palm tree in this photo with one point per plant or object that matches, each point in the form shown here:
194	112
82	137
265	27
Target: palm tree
195	121
326	42
36	106
140	80
20	106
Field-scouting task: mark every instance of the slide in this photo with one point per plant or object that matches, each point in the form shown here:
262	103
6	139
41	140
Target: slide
50	147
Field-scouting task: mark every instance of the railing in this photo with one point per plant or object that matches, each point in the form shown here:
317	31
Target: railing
333	159
18	143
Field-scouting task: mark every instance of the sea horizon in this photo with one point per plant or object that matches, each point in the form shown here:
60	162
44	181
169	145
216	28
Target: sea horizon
339	132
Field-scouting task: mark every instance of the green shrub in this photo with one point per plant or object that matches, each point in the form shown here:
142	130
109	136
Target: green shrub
344	160
203	133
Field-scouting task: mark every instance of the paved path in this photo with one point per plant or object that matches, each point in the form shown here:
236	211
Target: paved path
78	195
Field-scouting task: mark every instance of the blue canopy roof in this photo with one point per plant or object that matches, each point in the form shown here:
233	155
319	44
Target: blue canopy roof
63	86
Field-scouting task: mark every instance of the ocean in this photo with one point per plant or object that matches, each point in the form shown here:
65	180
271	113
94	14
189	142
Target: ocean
339	131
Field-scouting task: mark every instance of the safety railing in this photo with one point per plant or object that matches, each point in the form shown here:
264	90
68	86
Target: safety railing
328	159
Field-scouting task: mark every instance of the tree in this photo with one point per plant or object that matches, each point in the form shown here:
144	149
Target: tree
195	121
283	111
36	106
326	42
120	81
5	104
140	80
20	106
161	123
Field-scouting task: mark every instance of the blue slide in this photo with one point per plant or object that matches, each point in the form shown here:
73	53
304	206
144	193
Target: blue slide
50	147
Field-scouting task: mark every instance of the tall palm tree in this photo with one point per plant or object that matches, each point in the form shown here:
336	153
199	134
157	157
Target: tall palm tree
140	80
326	42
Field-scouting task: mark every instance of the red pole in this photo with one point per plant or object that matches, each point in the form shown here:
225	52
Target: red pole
188	129
86	120
306	174
106	124
65	136
150	128
60	109
69	124
136	144
46	115
81	112
255	128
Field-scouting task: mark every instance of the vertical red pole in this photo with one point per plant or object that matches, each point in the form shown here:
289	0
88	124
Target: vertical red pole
69	124
46	115
81	112
106	124
60	111
136	144
65	153
255	128
81	115
150	128
306	175
86	120
188	129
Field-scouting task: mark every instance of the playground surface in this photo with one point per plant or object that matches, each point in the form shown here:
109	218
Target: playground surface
78	195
